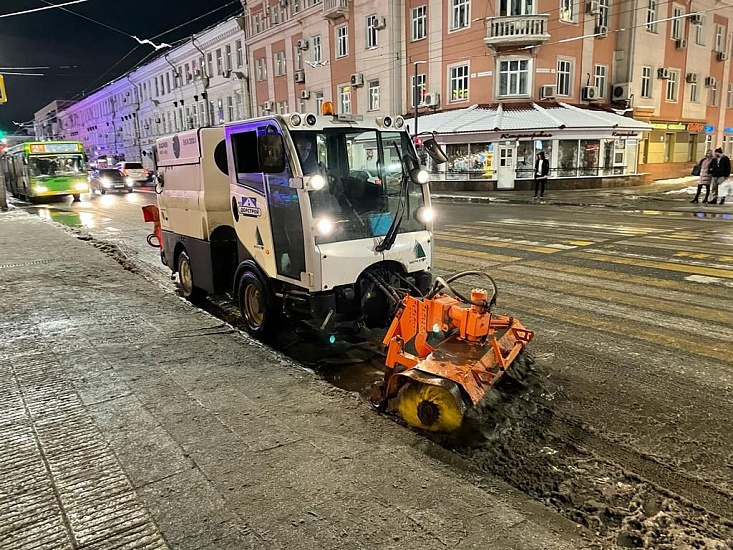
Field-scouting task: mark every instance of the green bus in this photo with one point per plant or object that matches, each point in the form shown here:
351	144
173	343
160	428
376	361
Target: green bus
37	169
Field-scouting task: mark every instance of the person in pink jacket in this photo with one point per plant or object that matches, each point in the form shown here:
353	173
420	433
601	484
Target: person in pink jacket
705	177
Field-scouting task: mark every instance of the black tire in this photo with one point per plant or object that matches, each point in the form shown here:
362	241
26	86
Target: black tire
186	284
77	197
102	191
129	190
256	306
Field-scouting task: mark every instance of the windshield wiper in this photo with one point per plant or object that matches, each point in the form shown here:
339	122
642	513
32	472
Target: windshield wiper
391	235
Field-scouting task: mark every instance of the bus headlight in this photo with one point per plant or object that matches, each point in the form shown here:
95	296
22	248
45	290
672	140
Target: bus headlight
40	188
81	186
425	214
420	176
316	182
324	226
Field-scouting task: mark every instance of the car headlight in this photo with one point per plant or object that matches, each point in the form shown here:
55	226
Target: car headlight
105	182
130	182
324	226
40	188
81	186
425	214
316	182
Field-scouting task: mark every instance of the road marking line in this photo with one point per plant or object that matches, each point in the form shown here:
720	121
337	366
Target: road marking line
664	266
477	254
492	243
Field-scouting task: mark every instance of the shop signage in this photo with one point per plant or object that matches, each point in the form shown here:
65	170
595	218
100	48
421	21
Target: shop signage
695	127
526	136
676	127
729	130
690	127
659	125
709	129
624	134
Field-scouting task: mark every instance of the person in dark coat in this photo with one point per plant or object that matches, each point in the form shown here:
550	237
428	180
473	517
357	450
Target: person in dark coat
541	170
720	171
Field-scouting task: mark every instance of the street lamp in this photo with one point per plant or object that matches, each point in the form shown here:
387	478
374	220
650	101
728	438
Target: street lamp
416	92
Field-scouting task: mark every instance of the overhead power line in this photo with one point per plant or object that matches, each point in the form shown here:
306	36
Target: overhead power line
52	6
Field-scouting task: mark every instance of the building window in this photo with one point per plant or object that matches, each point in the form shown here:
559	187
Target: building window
604	9
693	92
713	95
421	85
419	18
564	77
167	83
282	107
279	63
209	65
295	7
719	46
514	77
672	85
459	17
157	91
374	95
371	31
261	69
567	11
275	14
230	108
651	16
646	82
729	100
345	99
297	59
228	57
239	103
342	41
319	101
219	66
317	53
187	69
601	71
195	112
240	55
257	24
677	23
700	34
458	81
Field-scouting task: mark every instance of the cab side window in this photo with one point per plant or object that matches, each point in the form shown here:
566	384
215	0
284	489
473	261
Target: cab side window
246	160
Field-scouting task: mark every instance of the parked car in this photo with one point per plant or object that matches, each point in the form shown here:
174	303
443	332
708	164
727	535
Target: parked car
110	179
135	171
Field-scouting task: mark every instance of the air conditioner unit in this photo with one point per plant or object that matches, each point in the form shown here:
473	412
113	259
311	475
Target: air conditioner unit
357	79
305	94
300	76
593	7
589	93
721	56
663	73
696	19
431	99
547	91
691	78
601	31
681	44
302	44
381	23
226	73
709	81
268	105
621	92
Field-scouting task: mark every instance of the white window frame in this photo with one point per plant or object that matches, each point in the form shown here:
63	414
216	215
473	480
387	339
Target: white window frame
518	71
418	23
230	108
228	57
454	78
219	62
372	33
600	79
239	53
700	33
646	81
261	69
729	99
672	87
373	104
694	92
713	95
719	38
460	14
651	15
317	49
280	64
319	102
341	33
568	12
344	94
677	26
422	80
565	68
275	14
605	12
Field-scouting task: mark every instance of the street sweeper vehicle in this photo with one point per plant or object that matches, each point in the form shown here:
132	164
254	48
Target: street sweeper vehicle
326	220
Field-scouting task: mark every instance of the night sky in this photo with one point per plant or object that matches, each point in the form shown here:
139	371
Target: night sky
55	38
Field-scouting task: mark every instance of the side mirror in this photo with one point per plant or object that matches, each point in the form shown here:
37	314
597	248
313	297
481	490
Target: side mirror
271	151
435	151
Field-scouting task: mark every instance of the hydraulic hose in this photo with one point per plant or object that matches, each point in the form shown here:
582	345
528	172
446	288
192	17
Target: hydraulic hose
441	283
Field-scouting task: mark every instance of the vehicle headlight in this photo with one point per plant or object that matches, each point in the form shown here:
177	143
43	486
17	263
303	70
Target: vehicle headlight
40	188
105	182
316	182
130	182
81	186
324	226
425	214
420	176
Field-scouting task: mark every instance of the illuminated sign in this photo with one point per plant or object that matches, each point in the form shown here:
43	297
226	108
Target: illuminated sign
709	129
50	147
695	127
728	130
676	127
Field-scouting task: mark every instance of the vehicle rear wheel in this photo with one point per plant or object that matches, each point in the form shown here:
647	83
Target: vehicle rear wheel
77	197
102	191
129	190
257	313
185	278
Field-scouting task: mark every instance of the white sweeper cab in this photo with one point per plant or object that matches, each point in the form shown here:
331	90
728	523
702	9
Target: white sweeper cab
316	218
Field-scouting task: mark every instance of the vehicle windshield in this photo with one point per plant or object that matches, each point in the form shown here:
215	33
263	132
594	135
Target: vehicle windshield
364	181
65	165
133	166
109	173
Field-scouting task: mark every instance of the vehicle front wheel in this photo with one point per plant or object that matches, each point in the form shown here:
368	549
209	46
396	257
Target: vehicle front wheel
102	191
257	312
185	278
129	190
77	197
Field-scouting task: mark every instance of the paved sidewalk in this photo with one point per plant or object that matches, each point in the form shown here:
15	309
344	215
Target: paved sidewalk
132	420
674	195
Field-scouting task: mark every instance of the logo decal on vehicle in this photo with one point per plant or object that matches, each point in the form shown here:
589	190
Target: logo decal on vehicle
258	239
419	251
176	147
248	207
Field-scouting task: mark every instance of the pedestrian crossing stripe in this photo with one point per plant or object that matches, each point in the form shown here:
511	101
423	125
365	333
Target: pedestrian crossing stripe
654	264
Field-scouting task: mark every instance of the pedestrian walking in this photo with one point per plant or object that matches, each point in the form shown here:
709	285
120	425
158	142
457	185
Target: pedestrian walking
719	170
725	191
702	168
541	170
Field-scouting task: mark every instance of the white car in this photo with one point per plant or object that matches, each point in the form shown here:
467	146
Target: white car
133	170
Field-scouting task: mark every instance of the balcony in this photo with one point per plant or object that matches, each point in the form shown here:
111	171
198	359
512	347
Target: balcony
516	30
333	9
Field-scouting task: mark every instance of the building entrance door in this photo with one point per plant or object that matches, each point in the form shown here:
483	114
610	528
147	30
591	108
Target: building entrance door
505	168
668	147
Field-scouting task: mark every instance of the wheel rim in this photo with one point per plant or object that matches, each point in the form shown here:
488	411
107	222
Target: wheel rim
185	276
253	306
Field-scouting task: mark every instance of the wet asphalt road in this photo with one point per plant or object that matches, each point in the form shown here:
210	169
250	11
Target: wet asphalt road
634	332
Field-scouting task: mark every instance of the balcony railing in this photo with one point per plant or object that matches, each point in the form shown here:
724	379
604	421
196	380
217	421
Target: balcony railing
517	30
333	9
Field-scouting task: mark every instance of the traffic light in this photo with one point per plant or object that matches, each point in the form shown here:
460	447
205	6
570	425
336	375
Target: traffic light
3	97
